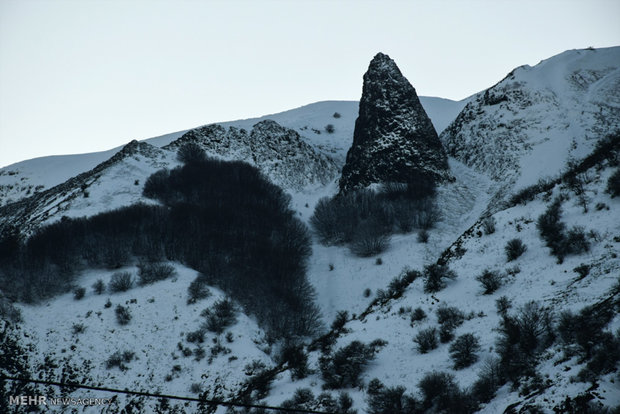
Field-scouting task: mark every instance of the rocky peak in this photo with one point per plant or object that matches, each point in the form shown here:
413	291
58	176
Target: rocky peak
394	139
279	152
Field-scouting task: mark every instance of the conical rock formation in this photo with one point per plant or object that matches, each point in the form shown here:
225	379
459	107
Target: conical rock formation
394	140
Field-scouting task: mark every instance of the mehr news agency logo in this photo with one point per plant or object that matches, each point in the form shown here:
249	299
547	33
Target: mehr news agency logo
41	400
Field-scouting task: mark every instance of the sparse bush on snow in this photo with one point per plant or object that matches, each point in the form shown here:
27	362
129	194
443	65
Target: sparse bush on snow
198	289
221	316
120	282
488	225
389	400
449	317
78	328
613	184
441	392
418	315
79	293
490	280
522	337
426	340
344	367
490	378
297	360
303	399
99	287
340	320
423	236
435	276
123	316
119	359
514	249
369	242
553	231
151	272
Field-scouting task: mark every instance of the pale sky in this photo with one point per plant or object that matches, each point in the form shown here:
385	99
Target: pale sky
83	76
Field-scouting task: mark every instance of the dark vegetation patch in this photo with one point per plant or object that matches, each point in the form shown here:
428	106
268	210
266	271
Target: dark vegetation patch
613	184
426	340
151	272
449	318
304	399
223	219
390	400
364	219
435	276
491	280
220	316
522	337
464	350
344	367
561	241
514	249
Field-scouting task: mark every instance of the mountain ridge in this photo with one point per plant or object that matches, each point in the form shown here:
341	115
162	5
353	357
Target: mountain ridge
379	297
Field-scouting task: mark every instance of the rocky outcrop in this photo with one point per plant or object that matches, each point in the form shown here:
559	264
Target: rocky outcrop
394	140
280	153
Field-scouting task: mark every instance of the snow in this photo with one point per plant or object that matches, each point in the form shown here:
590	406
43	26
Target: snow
540	279
161	319
24	178
547	114
554	129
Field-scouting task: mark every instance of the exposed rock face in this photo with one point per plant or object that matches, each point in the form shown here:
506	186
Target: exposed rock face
280	153
394	140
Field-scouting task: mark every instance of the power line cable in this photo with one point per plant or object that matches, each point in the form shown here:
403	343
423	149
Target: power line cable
171	397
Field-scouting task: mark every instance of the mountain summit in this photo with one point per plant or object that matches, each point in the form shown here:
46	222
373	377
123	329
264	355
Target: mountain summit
394	140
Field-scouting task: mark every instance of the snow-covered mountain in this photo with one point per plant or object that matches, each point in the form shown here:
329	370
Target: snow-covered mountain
531	123
25	178
558	121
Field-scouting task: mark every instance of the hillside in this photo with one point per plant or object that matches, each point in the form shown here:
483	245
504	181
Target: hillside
530	124
508	302
25	178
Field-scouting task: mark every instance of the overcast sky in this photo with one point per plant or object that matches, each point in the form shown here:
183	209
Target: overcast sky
82	76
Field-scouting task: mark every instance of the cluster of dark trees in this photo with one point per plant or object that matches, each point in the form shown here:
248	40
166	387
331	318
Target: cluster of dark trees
561	241
364	219
224	219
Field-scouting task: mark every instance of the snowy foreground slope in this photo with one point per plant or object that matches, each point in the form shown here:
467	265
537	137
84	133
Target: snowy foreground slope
527	127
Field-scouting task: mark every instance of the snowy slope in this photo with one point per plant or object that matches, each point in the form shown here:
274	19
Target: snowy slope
24	178
310	122
164	360
526	122
113	183
536	119
539	277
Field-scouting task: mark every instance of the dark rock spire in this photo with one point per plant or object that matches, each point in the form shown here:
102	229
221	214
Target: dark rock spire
394	140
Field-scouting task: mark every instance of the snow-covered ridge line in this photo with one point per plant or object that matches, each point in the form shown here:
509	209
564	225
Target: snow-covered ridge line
531	123
278	152
28	213
20	180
